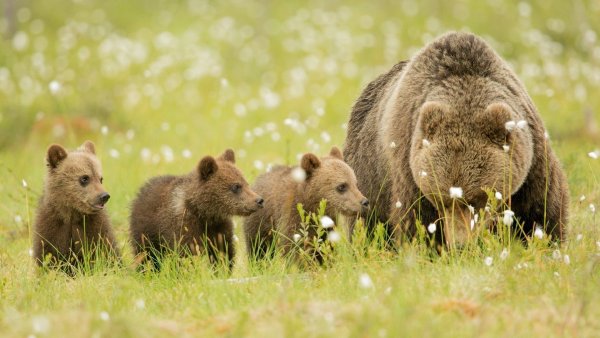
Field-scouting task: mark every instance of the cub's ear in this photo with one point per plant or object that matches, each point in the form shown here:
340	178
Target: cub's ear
89	147
337	153
493	122
228	155
56	154
207	167
310	162
430	117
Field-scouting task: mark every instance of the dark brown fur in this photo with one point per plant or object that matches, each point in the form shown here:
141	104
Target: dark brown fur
71	219
192	213
276	224
456	93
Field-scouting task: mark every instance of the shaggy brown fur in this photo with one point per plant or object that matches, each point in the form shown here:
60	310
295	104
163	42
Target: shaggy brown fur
444	112
71	221
191	214
327	178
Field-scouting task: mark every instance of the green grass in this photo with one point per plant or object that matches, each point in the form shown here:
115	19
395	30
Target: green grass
168	76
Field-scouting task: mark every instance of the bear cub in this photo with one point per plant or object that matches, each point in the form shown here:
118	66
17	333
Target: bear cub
71	222
284	187
191	214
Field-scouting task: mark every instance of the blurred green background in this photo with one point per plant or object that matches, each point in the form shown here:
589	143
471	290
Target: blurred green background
159	84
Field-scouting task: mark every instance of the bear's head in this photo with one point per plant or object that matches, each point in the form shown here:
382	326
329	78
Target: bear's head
222	184
332	179
75	179
487	148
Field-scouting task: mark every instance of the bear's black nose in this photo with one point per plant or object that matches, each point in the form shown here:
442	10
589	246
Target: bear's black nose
104	197
260	201
364	203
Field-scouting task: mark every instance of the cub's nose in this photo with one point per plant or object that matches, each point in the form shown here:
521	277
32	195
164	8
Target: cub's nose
364	203
260	201
104	197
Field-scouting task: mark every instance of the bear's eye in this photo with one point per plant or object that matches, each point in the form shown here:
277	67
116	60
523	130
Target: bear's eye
236	188
101	180
84	180
342	188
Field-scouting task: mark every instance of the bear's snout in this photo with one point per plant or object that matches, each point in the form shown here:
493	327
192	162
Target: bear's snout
102	199
364	204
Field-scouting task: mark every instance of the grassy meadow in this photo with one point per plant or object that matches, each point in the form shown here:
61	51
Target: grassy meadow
156	85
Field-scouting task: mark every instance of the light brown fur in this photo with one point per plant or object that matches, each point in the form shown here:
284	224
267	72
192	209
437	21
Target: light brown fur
192	213
457	94
71	219
276	224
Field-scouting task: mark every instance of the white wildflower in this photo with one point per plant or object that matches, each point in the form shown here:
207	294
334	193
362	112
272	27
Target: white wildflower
431	228
258	164
456	192
18	219
30	251
297	237
365	281
522	124
556	274
487	208
579	237
327	222
594	154
40	324
504	254
24	183
140	304
398	204
334	236
592	208
471	209
104	130
298	174
54	87
598	245
476	218
539	233
556	254
581	198
104	316
393	144
472	224
546	135
236	238
423	173
508	217
114	153
186	153
567	259
510	125
506	148
426	143
498	195
488	261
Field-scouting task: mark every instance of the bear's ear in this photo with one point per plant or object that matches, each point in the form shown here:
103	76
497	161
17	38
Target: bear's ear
493	122
207	167
430	117
228	155
337	153
56	154
310	162
89	147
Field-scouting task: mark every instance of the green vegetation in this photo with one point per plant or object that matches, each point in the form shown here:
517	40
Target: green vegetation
159	84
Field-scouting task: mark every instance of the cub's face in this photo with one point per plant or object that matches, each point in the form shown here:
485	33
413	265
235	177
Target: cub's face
332	179
75	179
228	190
474	153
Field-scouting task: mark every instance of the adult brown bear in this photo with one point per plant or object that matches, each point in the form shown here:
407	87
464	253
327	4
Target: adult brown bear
454	116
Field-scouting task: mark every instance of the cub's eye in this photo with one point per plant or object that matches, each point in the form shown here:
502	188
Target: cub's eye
236	188
84	180
342	188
